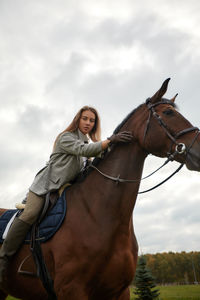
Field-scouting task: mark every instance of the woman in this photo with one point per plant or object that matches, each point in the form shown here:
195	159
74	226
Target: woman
67	159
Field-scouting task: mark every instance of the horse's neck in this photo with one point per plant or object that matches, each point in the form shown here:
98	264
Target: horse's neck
117	200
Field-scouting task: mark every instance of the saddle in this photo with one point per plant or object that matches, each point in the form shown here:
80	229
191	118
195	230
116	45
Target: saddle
48	224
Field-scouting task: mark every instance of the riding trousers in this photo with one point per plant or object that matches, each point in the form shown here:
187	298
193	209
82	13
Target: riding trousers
32	208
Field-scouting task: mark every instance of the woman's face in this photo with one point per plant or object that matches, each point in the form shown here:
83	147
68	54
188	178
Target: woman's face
87	121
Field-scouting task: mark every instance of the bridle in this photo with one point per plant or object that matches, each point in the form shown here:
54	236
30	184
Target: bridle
180	148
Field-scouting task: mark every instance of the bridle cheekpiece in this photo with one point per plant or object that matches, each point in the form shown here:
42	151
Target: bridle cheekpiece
180	148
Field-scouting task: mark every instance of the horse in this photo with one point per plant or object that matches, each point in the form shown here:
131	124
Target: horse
93	256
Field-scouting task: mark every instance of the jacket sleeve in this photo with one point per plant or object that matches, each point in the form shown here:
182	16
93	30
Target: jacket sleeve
74	146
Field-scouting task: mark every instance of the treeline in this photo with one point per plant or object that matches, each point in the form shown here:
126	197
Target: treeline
174	268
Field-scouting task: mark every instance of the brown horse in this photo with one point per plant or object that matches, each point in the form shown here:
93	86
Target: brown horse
94	254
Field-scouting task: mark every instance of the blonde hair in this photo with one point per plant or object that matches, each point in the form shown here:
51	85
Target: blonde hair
95	133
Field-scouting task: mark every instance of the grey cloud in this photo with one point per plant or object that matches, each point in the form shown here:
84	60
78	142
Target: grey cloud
25	146
159	234
29	122
33	122
187	211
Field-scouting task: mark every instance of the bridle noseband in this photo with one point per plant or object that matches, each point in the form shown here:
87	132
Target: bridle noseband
180	148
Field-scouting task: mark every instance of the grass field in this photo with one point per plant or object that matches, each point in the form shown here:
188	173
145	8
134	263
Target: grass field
179	292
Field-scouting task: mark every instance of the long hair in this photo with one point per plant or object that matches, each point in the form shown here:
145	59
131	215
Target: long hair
95	133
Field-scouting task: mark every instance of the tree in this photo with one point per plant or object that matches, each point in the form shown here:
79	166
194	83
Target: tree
178	268
144	282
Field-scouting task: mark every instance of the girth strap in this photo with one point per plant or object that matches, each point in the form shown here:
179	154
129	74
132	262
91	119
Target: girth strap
36	250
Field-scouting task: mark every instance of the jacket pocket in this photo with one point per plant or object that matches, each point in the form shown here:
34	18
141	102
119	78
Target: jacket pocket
40	171
55	180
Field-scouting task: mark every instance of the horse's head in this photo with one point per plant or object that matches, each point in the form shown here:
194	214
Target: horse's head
164	132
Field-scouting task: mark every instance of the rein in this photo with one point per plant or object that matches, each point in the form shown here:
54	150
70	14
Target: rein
179	149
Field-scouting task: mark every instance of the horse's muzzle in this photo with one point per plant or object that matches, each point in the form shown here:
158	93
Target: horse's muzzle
193	160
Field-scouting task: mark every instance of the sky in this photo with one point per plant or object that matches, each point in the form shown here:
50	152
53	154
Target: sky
56	56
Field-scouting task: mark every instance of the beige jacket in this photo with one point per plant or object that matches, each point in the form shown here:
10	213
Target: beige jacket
65	162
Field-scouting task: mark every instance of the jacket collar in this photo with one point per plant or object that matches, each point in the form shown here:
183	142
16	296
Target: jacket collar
82	136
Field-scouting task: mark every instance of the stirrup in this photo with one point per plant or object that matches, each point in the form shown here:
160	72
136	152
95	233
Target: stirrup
24	272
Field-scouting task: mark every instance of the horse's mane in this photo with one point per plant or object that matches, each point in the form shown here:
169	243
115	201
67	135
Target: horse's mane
96	160
117	129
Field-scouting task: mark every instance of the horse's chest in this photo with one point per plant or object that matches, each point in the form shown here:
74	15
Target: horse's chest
120	267
113	262
113	276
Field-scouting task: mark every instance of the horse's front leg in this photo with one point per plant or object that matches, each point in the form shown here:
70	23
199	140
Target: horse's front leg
74	292
125	295
3	295
68	288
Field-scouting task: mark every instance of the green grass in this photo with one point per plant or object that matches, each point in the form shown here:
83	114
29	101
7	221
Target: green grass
177	292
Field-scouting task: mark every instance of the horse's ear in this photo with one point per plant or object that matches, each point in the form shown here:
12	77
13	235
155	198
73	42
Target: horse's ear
173	99
158	95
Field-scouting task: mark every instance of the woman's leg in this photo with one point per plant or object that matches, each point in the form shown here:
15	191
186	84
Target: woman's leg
12	242
18	231
33	207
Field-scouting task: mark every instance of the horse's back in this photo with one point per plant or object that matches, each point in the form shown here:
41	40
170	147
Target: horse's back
2	211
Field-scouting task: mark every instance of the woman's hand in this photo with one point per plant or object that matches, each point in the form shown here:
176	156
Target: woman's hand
121	137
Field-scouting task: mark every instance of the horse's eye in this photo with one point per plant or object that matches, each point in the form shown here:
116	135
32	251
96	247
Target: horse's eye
168	112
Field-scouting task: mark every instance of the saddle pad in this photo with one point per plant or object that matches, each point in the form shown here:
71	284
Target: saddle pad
49	225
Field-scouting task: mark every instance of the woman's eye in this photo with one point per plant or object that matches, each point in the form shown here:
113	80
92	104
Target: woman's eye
168	112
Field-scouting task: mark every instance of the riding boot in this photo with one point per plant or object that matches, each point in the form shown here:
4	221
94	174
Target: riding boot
11	244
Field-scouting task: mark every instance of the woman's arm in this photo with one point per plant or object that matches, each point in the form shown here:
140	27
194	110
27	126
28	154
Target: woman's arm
70	144
105	144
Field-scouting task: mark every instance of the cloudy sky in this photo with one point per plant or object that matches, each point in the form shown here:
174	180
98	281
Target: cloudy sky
56	56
